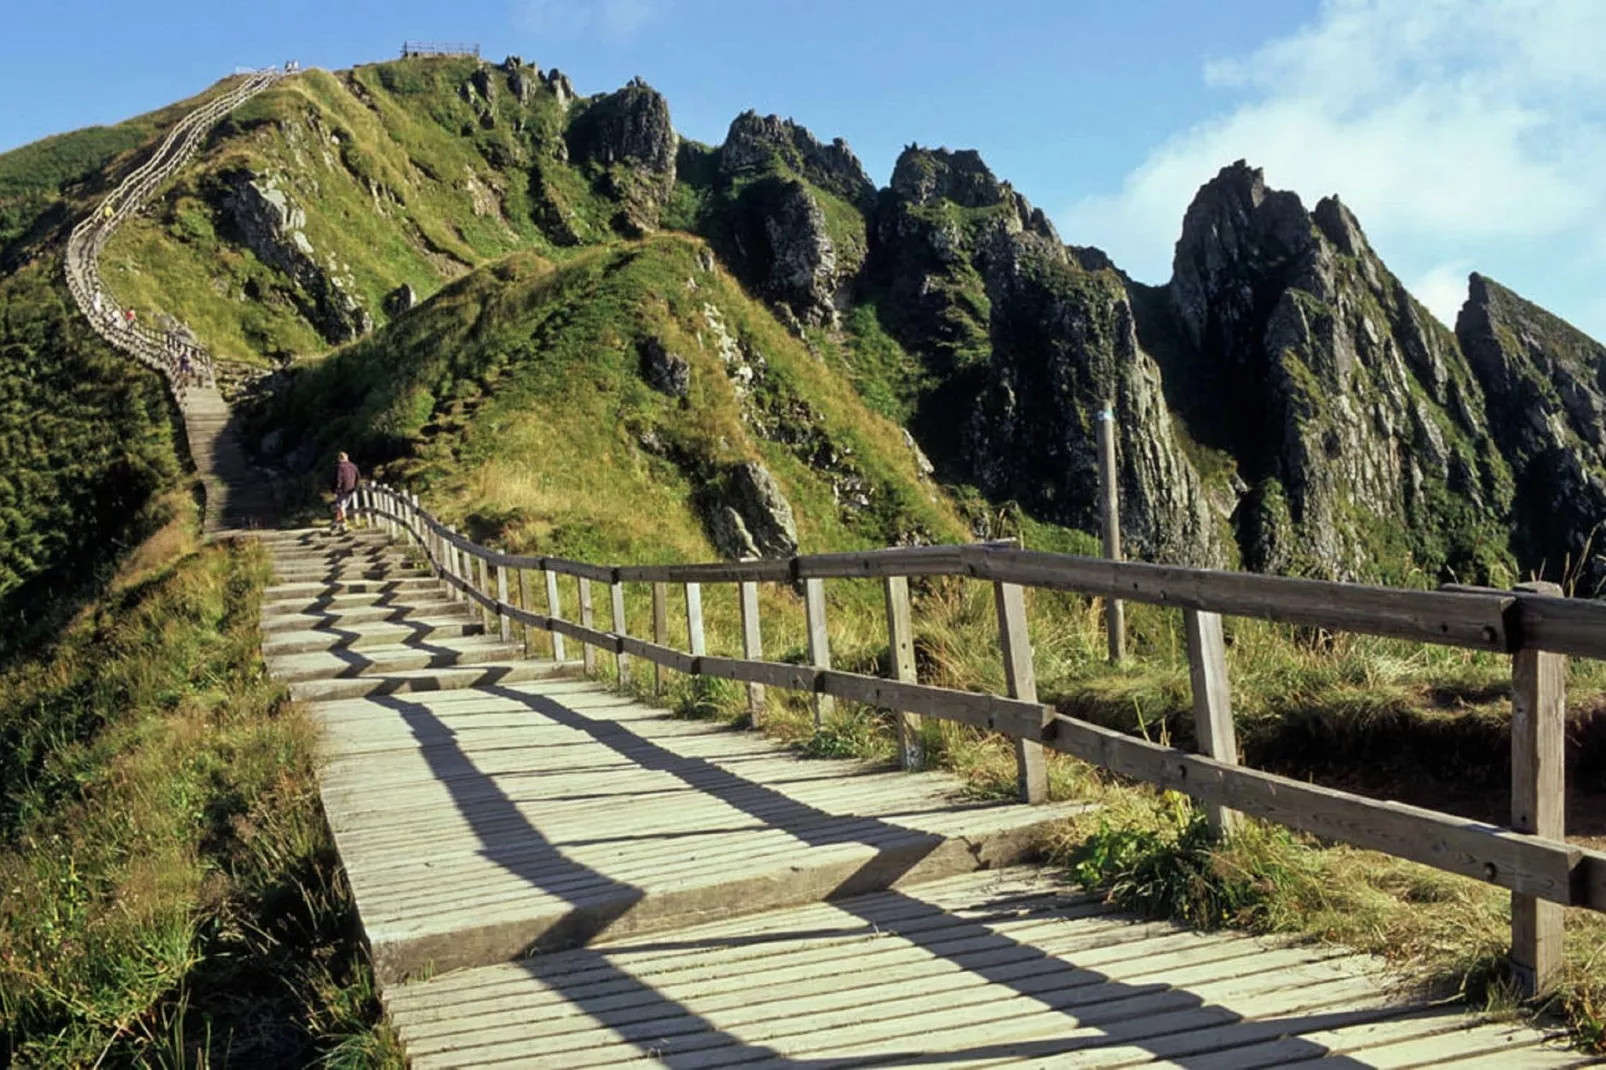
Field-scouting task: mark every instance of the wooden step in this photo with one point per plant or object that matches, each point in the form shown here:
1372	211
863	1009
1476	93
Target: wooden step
415	631
341	663
289	620
423	681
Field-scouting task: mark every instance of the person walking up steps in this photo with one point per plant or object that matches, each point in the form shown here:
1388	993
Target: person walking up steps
346	477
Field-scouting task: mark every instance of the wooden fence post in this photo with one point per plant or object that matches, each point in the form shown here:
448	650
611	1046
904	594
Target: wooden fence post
484	589
587	652
501	597
1031	772
694	619
1538	794
616	605
901	647
819	644
752	645
1110	511
1212	704
660	631
554	610
527	603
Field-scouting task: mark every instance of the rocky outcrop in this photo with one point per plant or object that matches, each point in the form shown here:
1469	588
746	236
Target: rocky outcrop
1333	390
1542	382
786	244
666	372
401	299
750	517
627	143
269	223
757	144
1028	345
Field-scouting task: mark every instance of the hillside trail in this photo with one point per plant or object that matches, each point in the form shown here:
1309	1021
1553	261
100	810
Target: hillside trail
237	494
551	873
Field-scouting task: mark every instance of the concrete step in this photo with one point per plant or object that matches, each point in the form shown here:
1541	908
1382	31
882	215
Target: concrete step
421	632
379	660
343	573
289	620
417	681
306	590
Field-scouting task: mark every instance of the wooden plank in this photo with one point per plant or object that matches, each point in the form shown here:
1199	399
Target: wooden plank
819	643
554	609
694	619
773	571
1012	717
1466	619
588	653
752	646
1561	625
591	637
897	561
1212	703
769	673
501	596
901	652
1595	880
659	655
1031	771
1538	796
1110	517
621	627
1543	868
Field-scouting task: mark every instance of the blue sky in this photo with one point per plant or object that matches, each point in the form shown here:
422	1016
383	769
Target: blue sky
1466	134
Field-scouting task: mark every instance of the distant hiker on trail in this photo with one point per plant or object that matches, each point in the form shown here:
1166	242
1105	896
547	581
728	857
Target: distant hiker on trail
97	302
345	488
128	319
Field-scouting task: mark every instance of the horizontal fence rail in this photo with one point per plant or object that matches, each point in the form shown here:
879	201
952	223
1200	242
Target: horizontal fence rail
1532	624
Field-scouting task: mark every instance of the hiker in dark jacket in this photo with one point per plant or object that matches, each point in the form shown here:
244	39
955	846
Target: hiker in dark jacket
346	477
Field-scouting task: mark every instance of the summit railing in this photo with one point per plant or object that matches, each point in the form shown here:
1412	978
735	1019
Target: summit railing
1532	624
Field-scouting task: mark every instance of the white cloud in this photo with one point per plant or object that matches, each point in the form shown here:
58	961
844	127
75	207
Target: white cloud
1460	131
1443	289
576	18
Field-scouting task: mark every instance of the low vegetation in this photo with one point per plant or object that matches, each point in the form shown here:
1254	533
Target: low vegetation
171	894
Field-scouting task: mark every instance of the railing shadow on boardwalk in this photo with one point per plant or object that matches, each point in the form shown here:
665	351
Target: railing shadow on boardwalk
648	1018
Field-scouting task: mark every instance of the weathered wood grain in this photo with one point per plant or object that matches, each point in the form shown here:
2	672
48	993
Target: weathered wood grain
901	645
1538	799
1212	703
819	643
752	645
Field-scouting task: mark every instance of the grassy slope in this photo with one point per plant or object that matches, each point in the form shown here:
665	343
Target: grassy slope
172	894
401	181
86	441
552	454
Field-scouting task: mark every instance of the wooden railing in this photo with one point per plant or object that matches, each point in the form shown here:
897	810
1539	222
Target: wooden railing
1533	625
181	363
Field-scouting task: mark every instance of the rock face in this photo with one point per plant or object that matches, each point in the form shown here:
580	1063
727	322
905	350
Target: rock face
1331	388
751	517
1542	381
627	142
784	239
268	222
668	373
401	299
1029	346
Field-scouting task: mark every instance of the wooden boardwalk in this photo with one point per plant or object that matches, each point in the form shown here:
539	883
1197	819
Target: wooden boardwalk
553	875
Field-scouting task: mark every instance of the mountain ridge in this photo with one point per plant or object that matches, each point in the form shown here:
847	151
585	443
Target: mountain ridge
1285	403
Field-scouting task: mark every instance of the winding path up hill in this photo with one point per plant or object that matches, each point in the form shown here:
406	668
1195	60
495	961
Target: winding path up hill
237	495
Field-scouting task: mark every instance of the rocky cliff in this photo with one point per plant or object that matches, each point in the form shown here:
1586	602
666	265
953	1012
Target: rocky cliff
1546	410
1349	410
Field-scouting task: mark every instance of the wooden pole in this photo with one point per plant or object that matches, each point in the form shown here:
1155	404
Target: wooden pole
1110	512
587	652
1538	792
616	600
484	589
1212	704
752	645
660	631
501	597
901	646
527	602
694	619
555	610
1031	772
819	644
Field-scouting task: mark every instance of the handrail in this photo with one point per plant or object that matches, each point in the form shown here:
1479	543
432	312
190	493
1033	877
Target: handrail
180	361
1544	872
